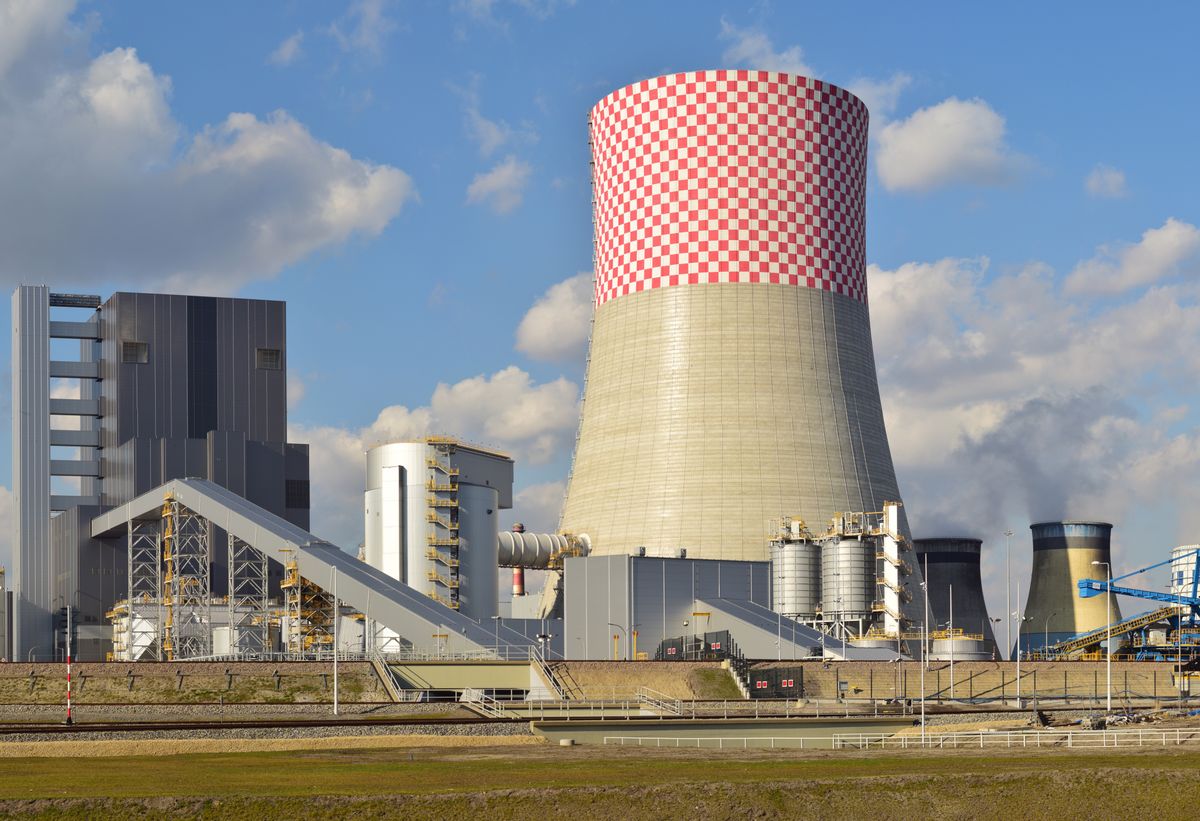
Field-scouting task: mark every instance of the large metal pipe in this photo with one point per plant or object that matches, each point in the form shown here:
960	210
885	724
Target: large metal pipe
529	550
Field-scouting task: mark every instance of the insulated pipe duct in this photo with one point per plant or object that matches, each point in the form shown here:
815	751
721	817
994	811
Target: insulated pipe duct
530	550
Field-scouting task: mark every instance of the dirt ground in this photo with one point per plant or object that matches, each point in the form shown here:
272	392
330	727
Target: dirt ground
542	781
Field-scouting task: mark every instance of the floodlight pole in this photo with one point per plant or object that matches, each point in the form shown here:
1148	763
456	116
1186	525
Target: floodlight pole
1108	644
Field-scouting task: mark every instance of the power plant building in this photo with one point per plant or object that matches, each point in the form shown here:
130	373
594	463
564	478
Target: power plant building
431	513
731	378
163	387
1063	554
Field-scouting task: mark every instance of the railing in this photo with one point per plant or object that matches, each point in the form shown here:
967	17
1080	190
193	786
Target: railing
720	742
477	699
659	701
1049	739
539	661
1082	739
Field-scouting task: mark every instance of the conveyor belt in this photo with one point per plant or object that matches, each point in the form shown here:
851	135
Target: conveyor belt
429	626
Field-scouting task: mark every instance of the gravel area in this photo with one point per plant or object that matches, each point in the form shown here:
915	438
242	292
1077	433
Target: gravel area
340	731
212	712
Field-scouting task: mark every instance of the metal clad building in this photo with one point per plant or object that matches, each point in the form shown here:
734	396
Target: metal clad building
164	387
731	378
1063	553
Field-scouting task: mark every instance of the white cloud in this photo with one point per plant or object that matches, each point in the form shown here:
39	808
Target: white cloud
534	422
364	27
288	51
1003	397
752	48
881	96
556	327
483	11
295	389
953	142
1106	182
31	29
100	182
539	506
1162	253
503	187
489	135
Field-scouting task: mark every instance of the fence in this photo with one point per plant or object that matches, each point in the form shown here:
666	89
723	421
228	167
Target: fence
1046	739
1082	739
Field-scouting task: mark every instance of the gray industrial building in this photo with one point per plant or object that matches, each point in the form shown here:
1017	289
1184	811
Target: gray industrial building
169	387
664	600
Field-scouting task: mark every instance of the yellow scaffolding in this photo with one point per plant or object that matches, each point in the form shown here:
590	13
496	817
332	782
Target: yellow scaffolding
310	613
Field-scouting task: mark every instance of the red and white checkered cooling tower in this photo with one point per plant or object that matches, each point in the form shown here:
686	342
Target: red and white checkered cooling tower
731	379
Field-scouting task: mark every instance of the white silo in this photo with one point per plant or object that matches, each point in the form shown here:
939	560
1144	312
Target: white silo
431	513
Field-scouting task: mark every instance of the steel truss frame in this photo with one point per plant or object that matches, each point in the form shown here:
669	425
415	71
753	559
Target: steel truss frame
187	554
249	617
143	639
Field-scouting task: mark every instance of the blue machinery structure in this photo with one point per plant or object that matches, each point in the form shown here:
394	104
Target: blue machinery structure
1180	611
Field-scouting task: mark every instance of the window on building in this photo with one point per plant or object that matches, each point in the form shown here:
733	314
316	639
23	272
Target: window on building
135	353
296	494
269	359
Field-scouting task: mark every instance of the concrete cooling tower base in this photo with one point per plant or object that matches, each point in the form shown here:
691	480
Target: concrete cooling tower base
712	411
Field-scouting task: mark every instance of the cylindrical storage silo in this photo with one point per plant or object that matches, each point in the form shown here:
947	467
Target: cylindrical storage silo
961	648
1064	553
731	377
954	578
478	573
847	579
796	579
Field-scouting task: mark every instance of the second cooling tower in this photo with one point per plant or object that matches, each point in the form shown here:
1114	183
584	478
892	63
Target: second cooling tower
951	571
1064	553
731	378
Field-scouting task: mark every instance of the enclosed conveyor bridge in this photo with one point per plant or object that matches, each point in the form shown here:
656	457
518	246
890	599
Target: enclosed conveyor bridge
420	621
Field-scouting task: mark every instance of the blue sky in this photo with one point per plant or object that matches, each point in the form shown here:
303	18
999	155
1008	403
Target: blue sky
412	178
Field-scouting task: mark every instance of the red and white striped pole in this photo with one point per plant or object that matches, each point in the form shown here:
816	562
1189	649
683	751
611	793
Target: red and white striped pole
69	719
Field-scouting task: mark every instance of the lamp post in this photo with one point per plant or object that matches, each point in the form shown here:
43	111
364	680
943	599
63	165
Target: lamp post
1108	643
1046	631
925	645
1011	616
950	627
1008	534
336	619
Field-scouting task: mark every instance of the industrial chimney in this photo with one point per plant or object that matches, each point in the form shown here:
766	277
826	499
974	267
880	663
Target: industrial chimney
1064	553
731	378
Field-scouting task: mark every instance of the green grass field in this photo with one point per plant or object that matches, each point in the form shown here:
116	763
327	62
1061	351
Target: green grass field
583	783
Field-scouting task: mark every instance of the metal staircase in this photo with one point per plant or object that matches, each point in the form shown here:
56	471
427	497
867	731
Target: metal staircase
442	516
